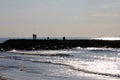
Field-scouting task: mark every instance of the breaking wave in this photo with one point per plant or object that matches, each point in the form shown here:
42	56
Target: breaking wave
101	49
43	53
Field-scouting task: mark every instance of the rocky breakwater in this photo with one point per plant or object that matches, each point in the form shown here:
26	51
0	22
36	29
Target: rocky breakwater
42	44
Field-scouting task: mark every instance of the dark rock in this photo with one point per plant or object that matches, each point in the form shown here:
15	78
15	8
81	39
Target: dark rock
40	44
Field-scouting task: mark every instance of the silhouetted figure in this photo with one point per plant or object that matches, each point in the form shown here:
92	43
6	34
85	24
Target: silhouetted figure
48	38
64	38
34	36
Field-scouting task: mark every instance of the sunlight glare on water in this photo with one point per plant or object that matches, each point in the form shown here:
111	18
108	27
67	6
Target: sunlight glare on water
77	63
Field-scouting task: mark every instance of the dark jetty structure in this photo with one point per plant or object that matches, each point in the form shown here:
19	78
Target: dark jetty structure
50	44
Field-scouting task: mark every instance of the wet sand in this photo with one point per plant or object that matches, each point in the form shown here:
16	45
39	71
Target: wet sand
3	78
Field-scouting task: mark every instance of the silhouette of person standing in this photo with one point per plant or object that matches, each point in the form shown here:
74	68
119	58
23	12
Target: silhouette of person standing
64	38
34	36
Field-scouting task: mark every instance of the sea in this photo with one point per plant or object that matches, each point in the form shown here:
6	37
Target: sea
78	63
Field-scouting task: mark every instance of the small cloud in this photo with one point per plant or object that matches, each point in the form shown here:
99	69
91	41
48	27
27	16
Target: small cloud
105	15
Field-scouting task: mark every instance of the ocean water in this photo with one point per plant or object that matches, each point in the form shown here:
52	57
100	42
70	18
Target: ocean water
3	39
68	64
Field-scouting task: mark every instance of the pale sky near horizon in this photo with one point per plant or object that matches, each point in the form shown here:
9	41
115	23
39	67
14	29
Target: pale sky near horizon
57	18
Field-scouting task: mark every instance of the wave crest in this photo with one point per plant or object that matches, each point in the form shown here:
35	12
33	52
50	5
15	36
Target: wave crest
43	53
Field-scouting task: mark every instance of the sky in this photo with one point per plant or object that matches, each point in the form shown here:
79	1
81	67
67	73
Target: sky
58	18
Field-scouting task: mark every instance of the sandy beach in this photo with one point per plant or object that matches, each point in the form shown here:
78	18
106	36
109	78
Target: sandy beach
3	78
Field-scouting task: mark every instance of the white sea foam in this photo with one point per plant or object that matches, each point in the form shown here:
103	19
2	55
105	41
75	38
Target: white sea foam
102	49
49	52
